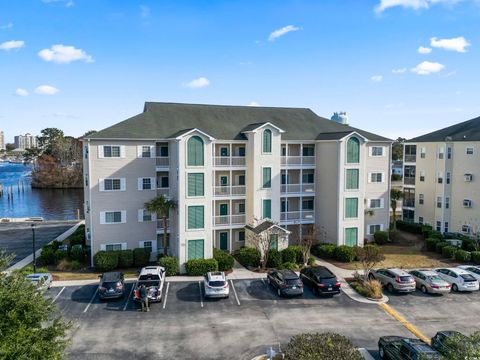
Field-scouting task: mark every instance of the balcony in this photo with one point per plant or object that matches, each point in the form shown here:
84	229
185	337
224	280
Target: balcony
229	161
163	191
297	188
162	161
297	216
297	160
409	203
410	158
409	180
160	228
227	220
235	190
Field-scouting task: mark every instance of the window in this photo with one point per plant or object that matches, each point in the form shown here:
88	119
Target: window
408	197
241	236
111	151
307	178
284	179
351	208
469	150
195	151
422	176
468	177
267	141
223	180
224	151
449	178
467	203
241	151
421	199
353	151
376	177
146	184
241	208
420	219
410	153
447	203
113	247
439	202
241	180
267	209
439	226
85	151
376	204
163	151
146	153
351	236
284	151
307	204
195	184
195	249
148	245
372	229
284	206
352	179
377	150
164	182
112	217
449	154
445	228
267	177
308	151
466	229
441	153
145	215
440	177
195	217
112	184
423	152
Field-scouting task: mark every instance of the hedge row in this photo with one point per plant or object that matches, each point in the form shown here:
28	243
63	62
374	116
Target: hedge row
342	253
171	265
199	267
224	259
111	260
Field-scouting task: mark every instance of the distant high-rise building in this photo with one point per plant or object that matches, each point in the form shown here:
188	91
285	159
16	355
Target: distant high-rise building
2	140
26	141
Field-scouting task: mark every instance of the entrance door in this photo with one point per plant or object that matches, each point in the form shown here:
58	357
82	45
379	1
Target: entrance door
224	241
223	209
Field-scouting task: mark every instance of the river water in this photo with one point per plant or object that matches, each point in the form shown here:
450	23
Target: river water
51	204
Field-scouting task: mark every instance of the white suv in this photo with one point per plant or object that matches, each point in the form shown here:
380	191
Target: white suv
216	285
460	279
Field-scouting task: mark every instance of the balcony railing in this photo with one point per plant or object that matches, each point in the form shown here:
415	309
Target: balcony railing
409	180
229	161
163	191
297	160
410	158
297	188
224	220
162	161
408	202
297	215
235	190
160	224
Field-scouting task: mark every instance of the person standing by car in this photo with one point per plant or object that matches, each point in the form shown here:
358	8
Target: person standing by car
144	297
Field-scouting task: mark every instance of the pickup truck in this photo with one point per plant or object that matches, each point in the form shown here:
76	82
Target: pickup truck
153	278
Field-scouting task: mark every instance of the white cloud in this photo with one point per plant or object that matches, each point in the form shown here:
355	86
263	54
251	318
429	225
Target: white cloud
427	68
8	26
198	83
144	11
399	71
424	50
253	103
46	90
411	4
457	44
21	92
66	3
280	32
12	44
376	78
62	54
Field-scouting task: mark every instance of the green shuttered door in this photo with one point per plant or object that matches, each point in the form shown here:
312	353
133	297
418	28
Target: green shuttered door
351	236
223	241
267	177
195	249
351	208
267	209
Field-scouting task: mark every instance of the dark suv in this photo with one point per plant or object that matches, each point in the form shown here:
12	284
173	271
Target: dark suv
286	282
440	341
320	280
111	285
398	348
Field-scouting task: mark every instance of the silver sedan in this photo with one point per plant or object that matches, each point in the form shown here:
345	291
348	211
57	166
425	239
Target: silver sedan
429	282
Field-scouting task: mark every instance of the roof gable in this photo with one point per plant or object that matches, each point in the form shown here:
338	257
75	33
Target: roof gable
465	131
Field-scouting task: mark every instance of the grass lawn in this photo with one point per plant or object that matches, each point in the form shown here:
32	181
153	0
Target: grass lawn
88	275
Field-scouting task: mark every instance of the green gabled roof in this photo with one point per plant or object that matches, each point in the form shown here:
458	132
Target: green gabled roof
465	131
223	122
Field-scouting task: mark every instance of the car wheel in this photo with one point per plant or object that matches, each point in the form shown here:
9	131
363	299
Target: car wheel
381	352
390	288
279	292
454	288
424	289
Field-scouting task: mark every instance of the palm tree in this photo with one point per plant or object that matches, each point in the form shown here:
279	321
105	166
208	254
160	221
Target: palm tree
395	195
162	206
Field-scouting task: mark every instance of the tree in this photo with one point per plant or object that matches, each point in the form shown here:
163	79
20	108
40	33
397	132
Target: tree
263	241
88	133
9	147
369	256
397	149
50	139
30	326
395	195
463	347
31	153
162	207
307	240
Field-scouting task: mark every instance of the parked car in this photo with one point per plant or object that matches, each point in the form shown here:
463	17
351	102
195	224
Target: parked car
399	348
429	282
216	285
395	280
286	282
320	280
439	341
473	270
41	280
153	277
460	279
111	285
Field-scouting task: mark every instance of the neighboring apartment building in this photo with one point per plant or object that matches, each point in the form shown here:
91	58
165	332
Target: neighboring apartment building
2	140
442	178
228	167
26	141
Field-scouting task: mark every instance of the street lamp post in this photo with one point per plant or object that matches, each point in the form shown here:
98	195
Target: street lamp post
33	246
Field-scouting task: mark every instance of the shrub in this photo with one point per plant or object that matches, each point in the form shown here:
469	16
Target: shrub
410	227
440	245
449	251
324	250
125	258
29	270
475	255
249	256
199	267
370	288
311	261
298	253
105	260
77	254
381	237
289	255
75	265
55	244
463	256
435	235
47	256
224	259
171	265
396	177
326	346
141	257
64	265
60	255
431	243
289	266
468	244
274	258
345	253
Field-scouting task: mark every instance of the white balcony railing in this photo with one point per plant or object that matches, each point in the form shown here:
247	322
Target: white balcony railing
162	161
297	215
235	190
225	220
297	188
229	160
163	191
297	160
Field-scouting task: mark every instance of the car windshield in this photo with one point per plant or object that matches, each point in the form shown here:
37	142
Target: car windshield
149	277
467	277
148	283
218	283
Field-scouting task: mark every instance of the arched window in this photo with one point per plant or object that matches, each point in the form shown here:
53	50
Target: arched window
353	151
195	151
267	141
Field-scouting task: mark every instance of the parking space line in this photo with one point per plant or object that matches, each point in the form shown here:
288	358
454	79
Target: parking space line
56	297
129	296
201	295
91	300
166	294
410	327
235	292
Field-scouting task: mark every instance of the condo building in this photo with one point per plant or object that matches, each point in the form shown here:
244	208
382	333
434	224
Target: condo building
442	179
26	141
2	141
230	169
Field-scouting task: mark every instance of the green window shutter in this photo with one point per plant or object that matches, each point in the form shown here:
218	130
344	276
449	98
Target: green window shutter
353	151
195	184
195	151
267	141
352	179
195	217
195	249
267	209
274	241
351	208
351	236
267	177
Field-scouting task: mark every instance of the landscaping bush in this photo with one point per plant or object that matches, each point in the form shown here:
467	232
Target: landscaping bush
440	245
77	254
324	250
289	266
468	245
141	257
27	270
171	265
345	253
55	244
274	259
249	256
431	243
289	255
435	235
410	227
224	259
311	261
475	257
298	253
449	251
326	346
463	256
199	267
370	288
125	258
60	255
47	256
381	237
75	265
105	260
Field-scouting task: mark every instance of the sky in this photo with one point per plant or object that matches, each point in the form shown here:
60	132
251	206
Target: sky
397	67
